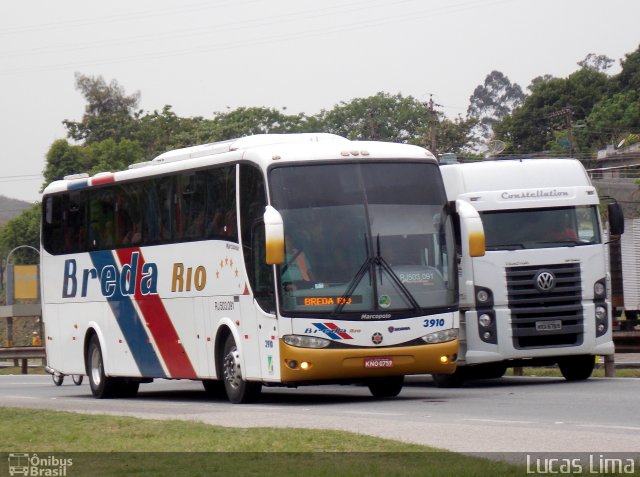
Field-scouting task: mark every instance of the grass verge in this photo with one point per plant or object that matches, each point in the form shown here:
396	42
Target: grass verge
107	445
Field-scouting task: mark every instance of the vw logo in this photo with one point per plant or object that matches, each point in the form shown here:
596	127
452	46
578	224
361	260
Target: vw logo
545	281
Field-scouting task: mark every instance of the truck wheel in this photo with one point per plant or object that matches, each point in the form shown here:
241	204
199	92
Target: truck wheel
238	390
58	379
577	368
102	386
454	380
385	387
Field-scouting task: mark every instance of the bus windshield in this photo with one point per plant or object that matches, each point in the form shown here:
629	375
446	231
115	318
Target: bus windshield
364	239
541	228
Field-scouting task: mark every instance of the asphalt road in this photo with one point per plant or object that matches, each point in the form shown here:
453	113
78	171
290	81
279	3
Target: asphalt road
513	414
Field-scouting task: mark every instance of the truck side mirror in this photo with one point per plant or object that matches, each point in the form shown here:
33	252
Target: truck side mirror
616	219
274	236
471	223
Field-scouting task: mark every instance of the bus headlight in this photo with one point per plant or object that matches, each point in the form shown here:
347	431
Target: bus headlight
306	341
441	336
601	313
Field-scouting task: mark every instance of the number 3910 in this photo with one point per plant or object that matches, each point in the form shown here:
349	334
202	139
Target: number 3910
431	322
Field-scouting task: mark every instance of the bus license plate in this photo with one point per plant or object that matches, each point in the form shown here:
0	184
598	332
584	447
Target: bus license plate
378	363
548	325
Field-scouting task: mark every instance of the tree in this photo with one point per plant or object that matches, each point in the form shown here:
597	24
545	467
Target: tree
108	113
257	120
63	159
382	117
596	62
531	127
492	101
23	229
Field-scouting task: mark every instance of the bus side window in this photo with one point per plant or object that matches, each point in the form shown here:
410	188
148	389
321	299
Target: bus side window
253	201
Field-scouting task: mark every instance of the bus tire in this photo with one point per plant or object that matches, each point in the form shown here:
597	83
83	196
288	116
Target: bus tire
214	387
454	380
238	390
102	386
77	379
126	388
577	368
386	387
58	379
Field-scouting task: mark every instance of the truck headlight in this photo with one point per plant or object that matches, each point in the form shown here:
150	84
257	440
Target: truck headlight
601	313
600	289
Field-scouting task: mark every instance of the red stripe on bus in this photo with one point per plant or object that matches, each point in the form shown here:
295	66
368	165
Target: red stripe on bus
103	179
159	324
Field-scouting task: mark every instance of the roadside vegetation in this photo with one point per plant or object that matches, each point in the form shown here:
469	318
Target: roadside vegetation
110	445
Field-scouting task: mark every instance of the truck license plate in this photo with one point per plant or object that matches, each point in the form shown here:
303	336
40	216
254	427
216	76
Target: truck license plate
378	363
548	325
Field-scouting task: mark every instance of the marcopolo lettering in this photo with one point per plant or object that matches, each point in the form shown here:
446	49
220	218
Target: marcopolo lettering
112	282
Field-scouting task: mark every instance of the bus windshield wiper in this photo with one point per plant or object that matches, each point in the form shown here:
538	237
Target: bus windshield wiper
381	262
355	281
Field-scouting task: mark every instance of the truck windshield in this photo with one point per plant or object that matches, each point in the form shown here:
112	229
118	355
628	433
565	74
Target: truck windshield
364	238
541	228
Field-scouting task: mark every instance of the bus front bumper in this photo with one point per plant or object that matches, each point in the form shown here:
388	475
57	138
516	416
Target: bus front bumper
308	364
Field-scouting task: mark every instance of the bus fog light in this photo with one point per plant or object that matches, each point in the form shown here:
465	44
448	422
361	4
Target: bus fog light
441	336
305	365
293	364
601	328
444	359
601	313
486	335
484	320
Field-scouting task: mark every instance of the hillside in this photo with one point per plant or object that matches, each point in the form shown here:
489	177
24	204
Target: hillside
9	208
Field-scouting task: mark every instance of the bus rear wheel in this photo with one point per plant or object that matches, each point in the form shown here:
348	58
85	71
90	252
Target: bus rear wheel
238	390
386	387
577	368
102	386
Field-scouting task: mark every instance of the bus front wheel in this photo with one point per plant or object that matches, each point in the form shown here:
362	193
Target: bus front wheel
386	387
238	390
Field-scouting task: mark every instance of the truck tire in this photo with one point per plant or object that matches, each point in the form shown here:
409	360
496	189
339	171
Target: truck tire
454	380
577	368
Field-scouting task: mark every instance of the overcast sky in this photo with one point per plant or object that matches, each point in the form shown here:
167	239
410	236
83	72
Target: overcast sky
205	56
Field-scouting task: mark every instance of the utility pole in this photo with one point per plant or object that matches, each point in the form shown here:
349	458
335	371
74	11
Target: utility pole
433	121
568	114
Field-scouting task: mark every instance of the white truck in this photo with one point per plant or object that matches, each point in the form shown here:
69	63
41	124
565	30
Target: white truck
539	294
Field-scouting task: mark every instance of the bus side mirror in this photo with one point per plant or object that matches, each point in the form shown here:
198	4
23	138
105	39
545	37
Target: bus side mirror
616	219
274	236
471	227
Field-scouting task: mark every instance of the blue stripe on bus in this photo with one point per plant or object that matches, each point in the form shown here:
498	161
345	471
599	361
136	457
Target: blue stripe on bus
130	323
74	185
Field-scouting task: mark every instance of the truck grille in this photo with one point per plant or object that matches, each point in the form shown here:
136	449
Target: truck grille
559	308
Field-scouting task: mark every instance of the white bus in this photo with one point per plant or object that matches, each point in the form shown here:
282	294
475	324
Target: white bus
539	294
266	260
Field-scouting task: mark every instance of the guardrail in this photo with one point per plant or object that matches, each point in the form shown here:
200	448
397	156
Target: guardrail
23	353
627	341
